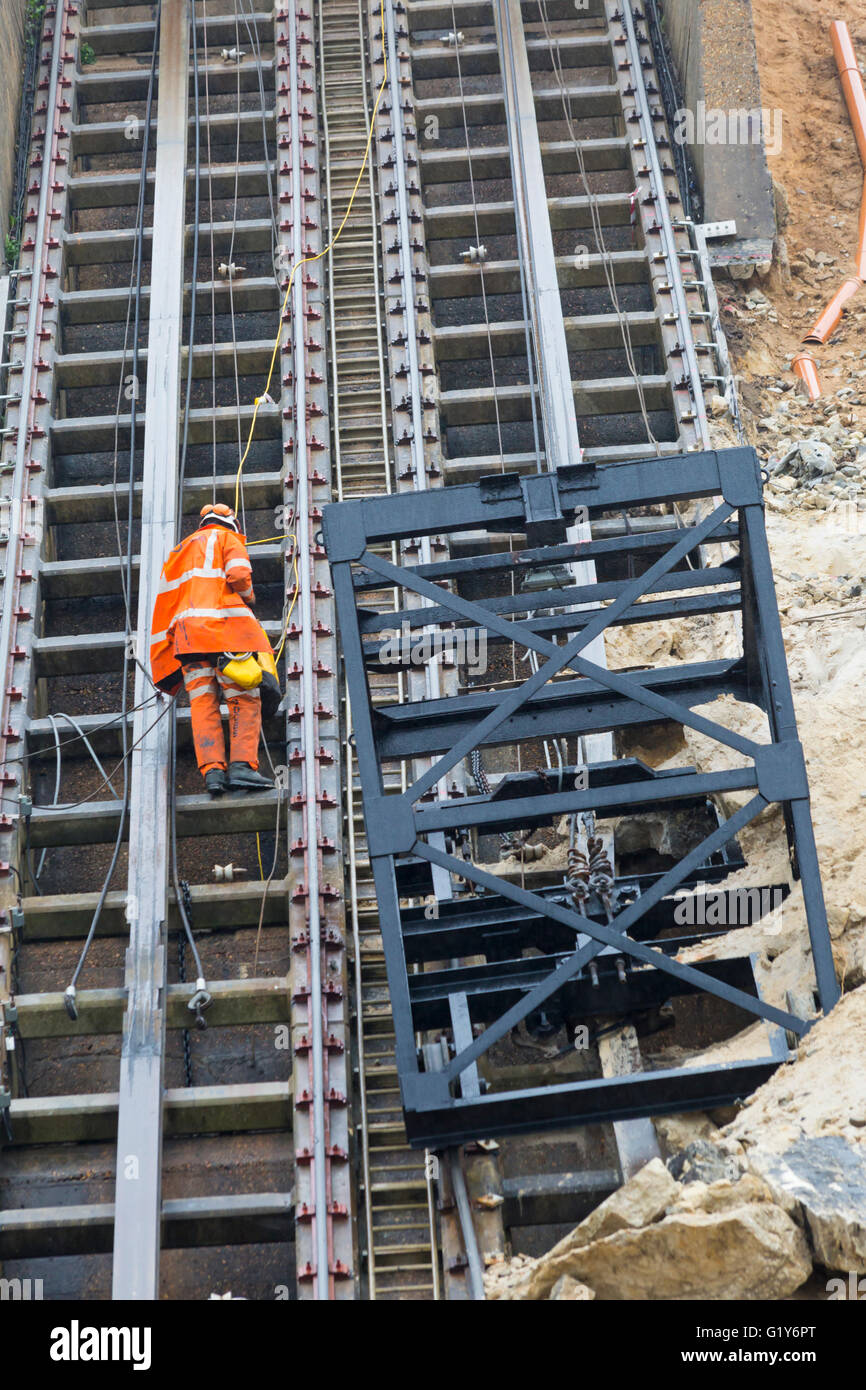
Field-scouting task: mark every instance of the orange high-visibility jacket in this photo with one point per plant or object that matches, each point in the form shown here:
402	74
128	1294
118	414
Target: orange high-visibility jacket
200	605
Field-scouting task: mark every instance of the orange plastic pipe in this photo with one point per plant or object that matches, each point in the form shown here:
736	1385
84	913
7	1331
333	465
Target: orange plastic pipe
832	315
860	267
804	367
852	82
855	99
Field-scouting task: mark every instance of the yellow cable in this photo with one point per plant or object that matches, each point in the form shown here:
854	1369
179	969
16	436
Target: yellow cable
309	260
294	600
259	852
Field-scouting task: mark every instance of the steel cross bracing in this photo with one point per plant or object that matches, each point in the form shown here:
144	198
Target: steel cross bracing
324	1199
401	828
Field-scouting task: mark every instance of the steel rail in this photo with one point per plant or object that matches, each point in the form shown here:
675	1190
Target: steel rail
674	269
338	464
26	410
310	773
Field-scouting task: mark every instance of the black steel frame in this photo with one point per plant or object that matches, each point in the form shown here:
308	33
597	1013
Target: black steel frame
407	833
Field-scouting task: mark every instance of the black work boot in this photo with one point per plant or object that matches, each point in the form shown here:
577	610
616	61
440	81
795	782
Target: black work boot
243	778
215	781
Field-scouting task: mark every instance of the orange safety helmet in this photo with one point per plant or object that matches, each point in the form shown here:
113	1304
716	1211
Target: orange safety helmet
218	514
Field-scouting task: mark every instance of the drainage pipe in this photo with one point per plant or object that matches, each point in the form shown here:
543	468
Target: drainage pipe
855	99
804	367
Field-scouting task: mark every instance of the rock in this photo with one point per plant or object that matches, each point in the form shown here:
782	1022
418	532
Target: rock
826	1177
500	1278
783	211
704	1162
723	1195
718	405
675	1132
815	1096
636	1204
568	1288
752	1251
816	459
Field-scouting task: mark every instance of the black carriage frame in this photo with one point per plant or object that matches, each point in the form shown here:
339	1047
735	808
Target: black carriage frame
405	832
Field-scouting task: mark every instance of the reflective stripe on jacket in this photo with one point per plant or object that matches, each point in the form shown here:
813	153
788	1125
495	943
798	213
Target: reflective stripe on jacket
200	605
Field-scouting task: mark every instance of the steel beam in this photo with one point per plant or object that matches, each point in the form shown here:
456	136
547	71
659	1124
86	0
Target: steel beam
138	1191
190	1222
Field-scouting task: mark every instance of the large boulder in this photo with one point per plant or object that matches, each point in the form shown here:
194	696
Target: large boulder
639	1202
826	1178
753	1250
658	1240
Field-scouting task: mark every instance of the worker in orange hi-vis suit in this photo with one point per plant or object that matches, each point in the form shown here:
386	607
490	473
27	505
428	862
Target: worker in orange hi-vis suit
201	620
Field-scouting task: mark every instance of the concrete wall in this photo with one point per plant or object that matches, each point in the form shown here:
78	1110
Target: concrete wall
713	45
12	48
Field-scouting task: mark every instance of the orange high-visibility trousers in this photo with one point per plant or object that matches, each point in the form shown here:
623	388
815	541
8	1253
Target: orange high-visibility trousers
203	683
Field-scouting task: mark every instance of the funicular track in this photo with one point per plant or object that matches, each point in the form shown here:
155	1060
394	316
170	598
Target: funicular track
226	1100
496	110
415	356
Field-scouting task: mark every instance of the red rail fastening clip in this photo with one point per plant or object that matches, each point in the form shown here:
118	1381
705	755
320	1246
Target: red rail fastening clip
304	1212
